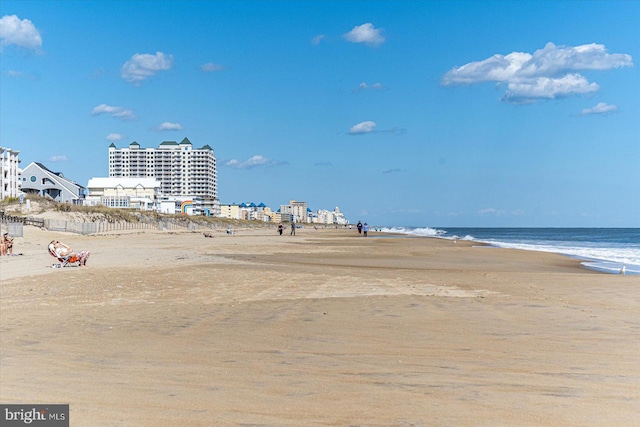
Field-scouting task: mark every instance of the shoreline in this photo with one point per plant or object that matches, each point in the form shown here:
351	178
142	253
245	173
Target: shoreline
322	328
606	259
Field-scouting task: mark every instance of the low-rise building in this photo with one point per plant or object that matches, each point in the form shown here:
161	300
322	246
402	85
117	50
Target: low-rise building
248	211
230	211
282	216
265	215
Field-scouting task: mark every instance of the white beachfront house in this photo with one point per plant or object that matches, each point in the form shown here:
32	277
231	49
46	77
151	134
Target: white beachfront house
127	193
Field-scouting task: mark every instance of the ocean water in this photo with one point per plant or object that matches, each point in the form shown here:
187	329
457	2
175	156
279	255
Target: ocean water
603	249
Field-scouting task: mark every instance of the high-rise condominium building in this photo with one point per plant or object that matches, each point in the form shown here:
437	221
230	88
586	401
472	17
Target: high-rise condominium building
9	171
183	171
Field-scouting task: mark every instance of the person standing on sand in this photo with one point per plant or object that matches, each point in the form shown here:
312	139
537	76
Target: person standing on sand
280	229
365	229
293	229
359	227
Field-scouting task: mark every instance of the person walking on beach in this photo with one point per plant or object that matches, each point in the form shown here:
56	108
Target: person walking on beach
293	229
365	229
280	229
359	227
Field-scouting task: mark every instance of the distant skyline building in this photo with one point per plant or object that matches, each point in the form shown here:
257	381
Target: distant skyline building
323	216
297	210
185	173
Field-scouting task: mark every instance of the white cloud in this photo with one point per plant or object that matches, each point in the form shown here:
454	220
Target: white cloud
20	75
601	108
117	112
488	211
317	39
394	170
548	88
60	158
548	73
371	127
590	215
170	126
364	86
365	33
210	67
97	73
255	161
143	65
500	212
19	32
115	137
362	127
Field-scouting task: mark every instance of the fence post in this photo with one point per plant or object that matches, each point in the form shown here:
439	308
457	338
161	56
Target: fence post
15	229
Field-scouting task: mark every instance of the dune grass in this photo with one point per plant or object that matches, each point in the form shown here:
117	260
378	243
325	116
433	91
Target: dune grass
39	205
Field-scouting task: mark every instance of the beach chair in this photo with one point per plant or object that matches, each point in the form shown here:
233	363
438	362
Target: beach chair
66	260
63	261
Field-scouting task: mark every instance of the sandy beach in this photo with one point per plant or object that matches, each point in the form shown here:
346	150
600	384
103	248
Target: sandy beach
323	328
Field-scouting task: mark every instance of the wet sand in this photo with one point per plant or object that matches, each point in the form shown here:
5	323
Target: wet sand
324	328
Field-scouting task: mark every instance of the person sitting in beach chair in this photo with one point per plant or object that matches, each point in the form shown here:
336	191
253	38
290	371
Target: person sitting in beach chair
6	244
65	255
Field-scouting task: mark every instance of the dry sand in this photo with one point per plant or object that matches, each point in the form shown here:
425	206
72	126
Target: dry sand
324	328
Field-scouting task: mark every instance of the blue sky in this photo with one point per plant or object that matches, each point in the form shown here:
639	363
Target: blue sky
406	113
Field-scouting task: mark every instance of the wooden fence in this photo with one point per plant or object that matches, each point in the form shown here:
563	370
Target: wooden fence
98	226
38	222
106	226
